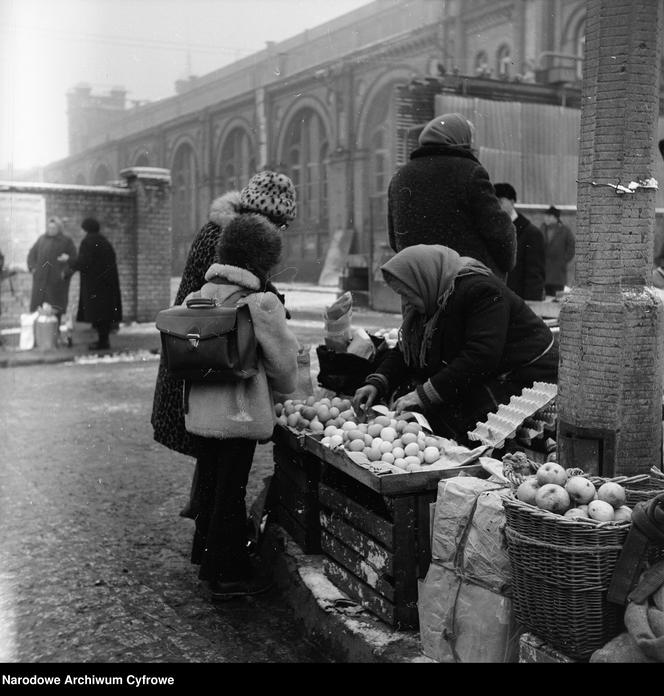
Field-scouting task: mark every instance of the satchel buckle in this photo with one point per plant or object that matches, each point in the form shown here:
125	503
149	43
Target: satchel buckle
194	339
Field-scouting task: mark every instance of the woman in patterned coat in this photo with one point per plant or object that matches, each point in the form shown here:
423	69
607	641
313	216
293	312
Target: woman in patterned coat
268	193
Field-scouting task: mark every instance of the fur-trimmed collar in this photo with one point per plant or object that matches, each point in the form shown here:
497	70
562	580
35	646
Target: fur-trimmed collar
224	208
234	274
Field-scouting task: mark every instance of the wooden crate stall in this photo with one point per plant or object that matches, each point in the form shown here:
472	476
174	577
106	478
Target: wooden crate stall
376	546
375	531
294	490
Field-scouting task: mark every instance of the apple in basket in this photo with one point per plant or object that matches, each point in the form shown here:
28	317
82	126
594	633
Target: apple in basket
580	490
553	498
601	511
551	472
527	490
612	493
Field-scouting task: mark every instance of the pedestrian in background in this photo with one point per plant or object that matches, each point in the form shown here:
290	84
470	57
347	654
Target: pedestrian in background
443	195
560	245
49	259
230	418
527	276
268	193
99	301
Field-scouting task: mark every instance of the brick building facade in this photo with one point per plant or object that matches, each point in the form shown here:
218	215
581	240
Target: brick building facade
320	106
135	216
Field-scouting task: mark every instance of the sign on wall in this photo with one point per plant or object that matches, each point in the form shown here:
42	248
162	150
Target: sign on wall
22	221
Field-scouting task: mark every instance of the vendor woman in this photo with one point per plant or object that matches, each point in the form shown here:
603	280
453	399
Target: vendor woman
467	343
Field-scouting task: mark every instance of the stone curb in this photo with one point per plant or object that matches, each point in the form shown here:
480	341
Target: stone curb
336	625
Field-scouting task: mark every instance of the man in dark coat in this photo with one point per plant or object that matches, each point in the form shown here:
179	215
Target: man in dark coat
100	302
443	195
560	250
48	261
527	276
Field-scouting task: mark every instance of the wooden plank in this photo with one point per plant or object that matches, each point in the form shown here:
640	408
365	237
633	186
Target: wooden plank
405	556
287	437
293	499
423	515
416	481
294	528
377	556
356	565
360	592
339	460
357	516
292	472
385	484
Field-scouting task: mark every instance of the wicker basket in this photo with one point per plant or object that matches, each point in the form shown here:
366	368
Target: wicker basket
561	571
639	488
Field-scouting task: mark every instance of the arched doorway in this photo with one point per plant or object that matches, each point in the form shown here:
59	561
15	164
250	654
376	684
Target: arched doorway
102	175
185	211
305	158
236	162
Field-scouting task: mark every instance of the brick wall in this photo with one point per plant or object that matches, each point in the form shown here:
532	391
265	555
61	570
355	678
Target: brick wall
134	217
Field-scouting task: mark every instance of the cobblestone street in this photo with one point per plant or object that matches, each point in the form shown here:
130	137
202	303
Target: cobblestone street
94	563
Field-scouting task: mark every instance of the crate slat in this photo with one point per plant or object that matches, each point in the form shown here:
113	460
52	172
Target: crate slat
377	556
357	565
356	515
360	592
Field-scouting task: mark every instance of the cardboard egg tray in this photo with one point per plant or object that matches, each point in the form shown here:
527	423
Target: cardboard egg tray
530	414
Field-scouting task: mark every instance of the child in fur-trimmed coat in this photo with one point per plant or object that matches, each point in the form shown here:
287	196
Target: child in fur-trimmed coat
230	418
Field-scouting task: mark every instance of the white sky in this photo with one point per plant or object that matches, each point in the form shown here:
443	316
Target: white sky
48	46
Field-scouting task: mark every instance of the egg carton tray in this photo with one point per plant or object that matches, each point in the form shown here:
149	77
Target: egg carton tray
521	411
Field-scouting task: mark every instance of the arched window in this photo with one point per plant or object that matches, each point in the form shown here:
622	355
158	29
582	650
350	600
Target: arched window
185	208
236	162
102	175
306	152
142	160
482	63
504	62
580	47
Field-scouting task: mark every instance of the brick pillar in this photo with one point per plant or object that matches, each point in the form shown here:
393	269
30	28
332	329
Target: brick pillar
154	246
611	324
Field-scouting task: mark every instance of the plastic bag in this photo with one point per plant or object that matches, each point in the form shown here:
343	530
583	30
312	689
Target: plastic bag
27	336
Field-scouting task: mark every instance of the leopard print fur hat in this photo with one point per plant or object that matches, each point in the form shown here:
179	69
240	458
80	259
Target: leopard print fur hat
271	194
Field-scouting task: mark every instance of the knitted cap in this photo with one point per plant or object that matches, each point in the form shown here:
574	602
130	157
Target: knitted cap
552	210
90	225
271	194
252	242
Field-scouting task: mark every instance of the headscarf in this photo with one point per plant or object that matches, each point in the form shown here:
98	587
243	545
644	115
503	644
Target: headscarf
428	271
448	129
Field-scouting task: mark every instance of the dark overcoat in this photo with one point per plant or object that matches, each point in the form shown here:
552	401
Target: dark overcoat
99	297
50	279
527	276
489	346
443	195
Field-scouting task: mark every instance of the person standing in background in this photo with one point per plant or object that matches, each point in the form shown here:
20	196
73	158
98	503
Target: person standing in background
527	276
443	195
99	302
560	250
48	260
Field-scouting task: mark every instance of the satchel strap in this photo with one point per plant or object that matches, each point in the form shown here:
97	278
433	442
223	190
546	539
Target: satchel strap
206	302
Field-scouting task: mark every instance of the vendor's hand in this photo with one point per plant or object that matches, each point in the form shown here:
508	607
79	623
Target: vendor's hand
364	399
63	257
408	402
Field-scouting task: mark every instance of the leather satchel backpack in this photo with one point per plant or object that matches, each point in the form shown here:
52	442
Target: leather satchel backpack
205	341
